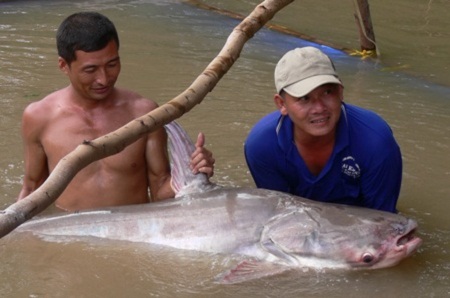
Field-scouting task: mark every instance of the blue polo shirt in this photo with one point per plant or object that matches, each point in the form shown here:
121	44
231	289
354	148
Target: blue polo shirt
365	167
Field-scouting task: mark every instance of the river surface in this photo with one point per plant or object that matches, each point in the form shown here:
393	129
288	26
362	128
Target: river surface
164	46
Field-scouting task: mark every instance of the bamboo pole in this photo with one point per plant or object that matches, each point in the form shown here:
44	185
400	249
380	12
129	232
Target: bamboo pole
116	141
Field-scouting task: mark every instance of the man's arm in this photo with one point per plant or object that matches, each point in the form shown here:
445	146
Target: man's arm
263	167
381	184
158	166
35	159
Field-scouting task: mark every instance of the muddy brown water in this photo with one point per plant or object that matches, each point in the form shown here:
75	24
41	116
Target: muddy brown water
164	46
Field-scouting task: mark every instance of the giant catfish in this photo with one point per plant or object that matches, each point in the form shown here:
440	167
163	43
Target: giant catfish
273	231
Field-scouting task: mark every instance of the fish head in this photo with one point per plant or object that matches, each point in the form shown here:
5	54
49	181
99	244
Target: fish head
391	243
340	237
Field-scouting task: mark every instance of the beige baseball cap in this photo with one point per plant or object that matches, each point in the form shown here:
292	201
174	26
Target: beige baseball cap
302	70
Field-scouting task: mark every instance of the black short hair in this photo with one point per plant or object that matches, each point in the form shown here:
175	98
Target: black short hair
85	31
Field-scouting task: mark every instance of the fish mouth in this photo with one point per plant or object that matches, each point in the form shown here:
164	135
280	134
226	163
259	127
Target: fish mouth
409	242
406	238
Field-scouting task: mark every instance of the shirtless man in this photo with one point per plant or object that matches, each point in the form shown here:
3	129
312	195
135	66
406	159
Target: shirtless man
91	106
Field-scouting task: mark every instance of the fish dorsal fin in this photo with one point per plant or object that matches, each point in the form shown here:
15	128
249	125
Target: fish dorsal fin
180	150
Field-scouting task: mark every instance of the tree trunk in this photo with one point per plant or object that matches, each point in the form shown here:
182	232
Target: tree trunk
116	141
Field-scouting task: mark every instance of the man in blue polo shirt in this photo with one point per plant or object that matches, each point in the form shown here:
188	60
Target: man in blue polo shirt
318	147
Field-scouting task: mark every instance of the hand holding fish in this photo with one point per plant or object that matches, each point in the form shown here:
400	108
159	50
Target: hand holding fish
202	160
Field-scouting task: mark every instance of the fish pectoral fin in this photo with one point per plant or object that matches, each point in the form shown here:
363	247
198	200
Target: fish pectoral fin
248	270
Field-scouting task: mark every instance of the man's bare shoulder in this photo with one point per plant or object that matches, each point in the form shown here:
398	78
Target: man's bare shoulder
38	114
42	109
136	102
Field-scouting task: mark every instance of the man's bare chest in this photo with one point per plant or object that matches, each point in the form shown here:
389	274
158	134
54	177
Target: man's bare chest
63	135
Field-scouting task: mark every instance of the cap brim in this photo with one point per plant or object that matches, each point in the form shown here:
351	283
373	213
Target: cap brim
305	86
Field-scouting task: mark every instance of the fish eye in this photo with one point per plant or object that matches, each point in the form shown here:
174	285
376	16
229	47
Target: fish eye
367	258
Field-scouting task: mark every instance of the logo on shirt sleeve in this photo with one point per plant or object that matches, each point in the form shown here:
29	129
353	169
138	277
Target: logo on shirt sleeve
350	167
